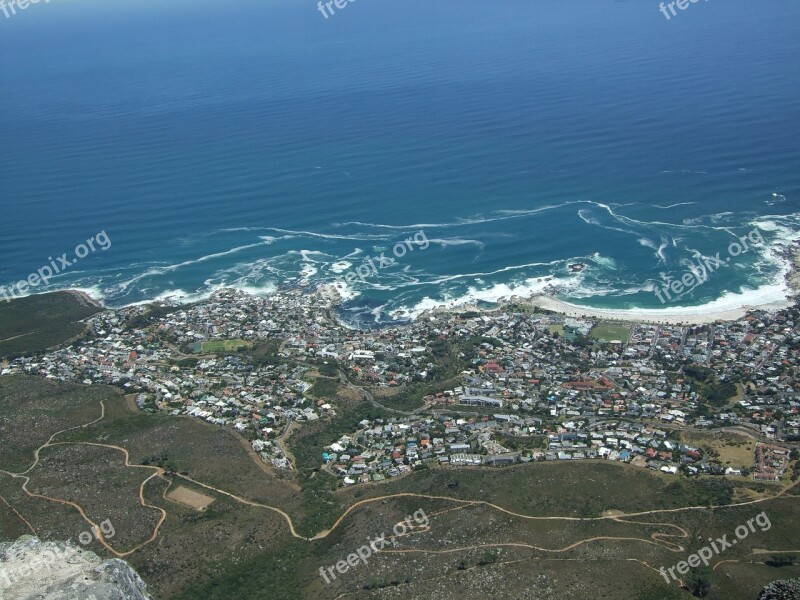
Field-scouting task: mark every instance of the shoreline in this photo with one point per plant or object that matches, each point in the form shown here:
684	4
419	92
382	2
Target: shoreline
666	316
662	317
684	315
652	316
85	298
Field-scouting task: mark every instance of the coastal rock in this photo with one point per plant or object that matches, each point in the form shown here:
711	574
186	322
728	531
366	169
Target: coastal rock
330	293
31	568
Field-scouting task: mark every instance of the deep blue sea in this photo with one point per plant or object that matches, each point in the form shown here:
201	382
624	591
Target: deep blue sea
259	144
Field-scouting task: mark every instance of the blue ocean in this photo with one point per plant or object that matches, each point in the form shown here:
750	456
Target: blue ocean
591	149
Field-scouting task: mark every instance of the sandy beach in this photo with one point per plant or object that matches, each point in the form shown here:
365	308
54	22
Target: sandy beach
667	316
683	316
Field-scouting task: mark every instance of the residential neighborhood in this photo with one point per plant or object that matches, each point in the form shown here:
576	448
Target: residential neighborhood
513	385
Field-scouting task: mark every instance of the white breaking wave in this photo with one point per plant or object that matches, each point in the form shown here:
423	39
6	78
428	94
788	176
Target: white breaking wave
659	250
491	294
604	261
500	215
673	205
446	242
332	236
582	213
153	271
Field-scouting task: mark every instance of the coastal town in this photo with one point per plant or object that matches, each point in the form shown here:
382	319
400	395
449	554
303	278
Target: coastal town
454	388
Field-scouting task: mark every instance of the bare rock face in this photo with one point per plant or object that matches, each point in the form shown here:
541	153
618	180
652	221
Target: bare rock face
32	569
785	589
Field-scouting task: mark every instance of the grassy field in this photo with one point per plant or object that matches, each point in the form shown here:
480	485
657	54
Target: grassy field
35	323
325	388
575	489
730	449
223	346
608	332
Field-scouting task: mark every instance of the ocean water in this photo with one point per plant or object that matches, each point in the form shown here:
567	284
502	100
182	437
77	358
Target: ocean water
257	144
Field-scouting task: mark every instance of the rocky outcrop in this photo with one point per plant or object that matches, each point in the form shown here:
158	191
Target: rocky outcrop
31	568
784	589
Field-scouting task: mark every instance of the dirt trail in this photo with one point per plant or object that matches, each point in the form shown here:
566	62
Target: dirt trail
23	519
95	527
657	538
